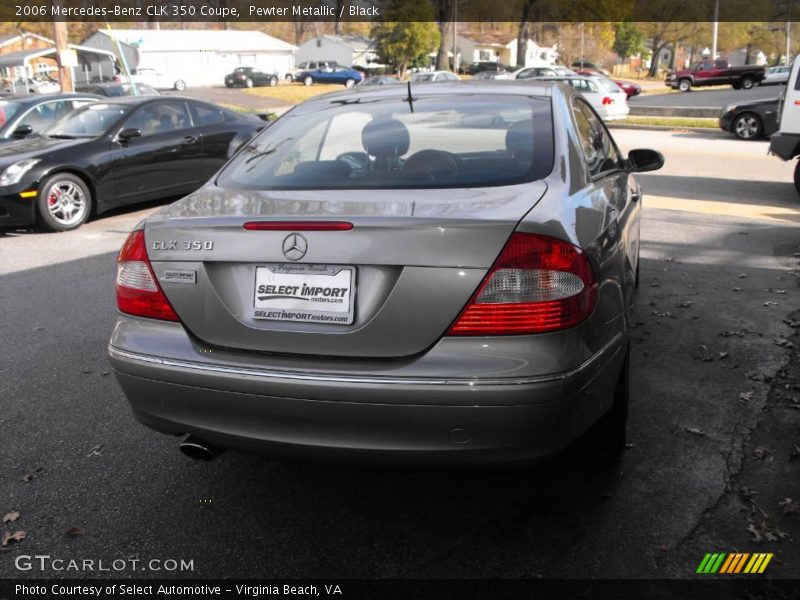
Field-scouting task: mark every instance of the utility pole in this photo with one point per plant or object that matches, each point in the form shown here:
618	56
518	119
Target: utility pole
455	30
715	31
789	35
64	71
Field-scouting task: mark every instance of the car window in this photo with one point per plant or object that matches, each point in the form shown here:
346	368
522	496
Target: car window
154	119
472	141
42	115
206	115
596	144
89	121
7	111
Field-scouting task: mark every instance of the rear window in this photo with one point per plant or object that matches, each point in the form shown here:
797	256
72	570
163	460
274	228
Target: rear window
464	141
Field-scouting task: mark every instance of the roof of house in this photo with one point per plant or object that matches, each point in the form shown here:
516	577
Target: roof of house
491	38
7	39
228	40
356	42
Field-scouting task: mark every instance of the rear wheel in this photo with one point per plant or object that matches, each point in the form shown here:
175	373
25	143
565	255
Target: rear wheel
350	82
290	78
684	85
748	83
273	81
248	83
308	80
180	85
228	84
797	176
64	202
748	126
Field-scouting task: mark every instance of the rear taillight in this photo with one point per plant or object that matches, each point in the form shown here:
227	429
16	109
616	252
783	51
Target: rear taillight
537	284
607	100
138	292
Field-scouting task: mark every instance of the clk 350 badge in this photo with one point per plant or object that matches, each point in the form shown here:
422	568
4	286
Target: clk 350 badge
183	245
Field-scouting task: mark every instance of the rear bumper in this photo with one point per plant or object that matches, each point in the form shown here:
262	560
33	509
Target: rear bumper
368	417
785	145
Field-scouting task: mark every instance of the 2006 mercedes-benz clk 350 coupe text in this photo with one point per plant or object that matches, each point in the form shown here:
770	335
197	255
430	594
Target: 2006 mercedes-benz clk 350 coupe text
439	274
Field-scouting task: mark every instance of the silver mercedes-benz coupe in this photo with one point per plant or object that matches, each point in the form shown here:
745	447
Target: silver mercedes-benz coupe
425	274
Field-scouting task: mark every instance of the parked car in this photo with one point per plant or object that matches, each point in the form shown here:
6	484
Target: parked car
22	116
776	76
158	80
249	77
715	72
309	65
484	66
116	152
605	96
750	120
488	75
33	85
425	284
332	74
115	89
379	80
433	76
631	89
533	72
587	64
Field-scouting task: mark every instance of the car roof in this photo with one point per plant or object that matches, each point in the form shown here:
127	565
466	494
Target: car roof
140	99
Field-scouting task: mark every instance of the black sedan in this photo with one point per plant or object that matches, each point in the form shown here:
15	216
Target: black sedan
117	152
750	120
250	77
24	115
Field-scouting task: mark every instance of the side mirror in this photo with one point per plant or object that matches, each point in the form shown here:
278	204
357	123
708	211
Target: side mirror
22	131
644	159
128	134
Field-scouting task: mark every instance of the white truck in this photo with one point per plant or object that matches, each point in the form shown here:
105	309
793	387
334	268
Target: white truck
785	143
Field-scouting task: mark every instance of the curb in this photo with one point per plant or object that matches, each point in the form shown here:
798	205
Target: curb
698	112
707	130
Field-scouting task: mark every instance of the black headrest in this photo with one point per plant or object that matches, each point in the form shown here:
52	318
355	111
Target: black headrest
519	139
385	137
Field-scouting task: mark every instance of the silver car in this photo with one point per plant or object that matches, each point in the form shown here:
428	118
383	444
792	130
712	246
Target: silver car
435	275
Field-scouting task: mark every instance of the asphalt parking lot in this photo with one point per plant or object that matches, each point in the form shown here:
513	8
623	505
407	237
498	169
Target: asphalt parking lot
714	455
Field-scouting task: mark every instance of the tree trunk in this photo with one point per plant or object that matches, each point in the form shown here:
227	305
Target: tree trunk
654	60
444	44
337	25
522	43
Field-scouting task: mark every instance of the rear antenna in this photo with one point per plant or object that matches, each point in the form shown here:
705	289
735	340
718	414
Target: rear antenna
410	98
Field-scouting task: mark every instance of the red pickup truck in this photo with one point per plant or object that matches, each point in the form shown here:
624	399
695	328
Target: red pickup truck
715	72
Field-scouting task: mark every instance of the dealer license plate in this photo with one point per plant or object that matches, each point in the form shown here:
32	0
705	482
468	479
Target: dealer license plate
306	293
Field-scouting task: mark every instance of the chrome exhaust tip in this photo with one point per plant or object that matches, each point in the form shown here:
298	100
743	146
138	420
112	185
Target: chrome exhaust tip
198	449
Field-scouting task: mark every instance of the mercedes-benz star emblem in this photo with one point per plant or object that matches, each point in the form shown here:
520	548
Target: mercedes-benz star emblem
295	246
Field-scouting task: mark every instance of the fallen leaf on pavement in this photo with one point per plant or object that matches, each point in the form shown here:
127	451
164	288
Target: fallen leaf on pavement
736	289
684	304
742	276
770	303
74	532
694	431
756	534
746	396
732	333
11	517
756	376
7	537
789	506
762	454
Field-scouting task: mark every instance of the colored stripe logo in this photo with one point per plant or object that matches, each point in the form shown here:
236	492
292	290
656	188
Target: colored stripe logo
734	563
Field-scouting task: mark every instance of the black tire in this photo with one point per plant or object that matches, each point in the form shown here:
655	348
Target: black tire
228	84
610	434
56	203
248	83
308	80
273	81
289	78
797	176
685	85
736	86
350	82
180	85
748	126
748	83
